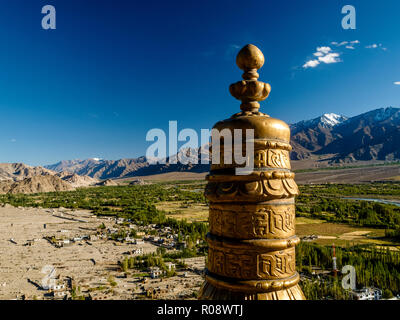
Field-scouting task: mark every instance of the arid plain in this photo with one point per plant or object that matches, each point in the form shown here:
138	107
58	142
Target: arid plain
86	265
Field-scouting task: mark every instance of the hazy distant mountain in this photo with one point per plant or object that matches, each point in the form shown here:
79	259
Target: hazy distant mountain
111	169
100	169
373	135
21	178
74	165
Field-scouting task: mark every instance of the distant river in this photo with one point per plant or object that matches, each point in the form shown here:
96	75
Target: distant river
194	190
395	202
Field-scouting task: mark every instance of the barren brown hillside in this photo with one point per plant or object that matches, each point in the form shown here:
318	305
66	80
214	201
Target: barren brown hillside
47	183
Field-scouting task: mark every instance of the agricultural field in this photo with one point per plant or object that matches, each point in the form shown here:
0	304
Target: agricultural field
189	211
342	234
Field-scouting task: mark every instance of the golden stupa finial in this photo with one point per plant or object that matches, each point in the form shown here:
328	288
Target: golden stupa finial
250	90
252	216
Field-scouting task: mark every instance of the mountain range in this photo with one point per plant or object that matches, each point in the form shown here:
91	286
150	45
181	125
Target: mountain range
21	178
123	168
335	139
374	135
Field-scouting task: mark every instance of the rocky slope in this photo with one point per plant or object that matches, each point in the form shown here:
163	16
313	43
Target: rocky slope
77	181
21	178
20	171
107	183
35	184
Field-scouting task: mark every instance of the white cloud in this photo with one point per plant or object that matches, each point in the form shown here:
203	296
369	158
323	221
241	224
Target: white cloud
337	44
397	83
311	64
345	43
374	46
330	58
325	55
324	49
13	140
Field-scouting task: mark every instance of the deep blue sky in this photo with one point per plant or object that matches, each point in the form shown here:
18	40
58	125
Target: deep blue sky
112	70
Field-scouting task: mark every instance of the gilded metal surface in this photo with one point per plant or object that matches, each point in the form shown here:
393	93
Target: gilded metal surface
272	158
247	262
252	217
263	189
253	221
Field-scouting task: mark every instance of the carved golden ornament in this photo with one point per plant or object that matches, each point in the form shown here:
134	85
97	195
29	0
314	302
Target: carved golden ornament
254	286
256	175
259	221
271	158
242	264
249	90
252	217
250	191
262	144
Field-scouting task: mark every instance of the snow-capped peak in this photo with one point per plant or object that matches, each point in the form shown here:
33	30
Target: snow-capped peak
327	120
332	119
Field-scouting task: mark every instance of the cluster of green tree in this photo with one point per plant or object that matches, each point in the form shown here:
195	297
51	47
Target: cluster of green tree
395	234
349	167
146	261
187	253
194	230
136	203
325	289
120	234
118	198
374	266
326	202
371	189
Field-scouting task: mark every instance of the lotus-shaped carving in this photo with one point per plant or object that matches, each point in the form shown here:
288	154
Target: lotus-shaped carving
248	91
